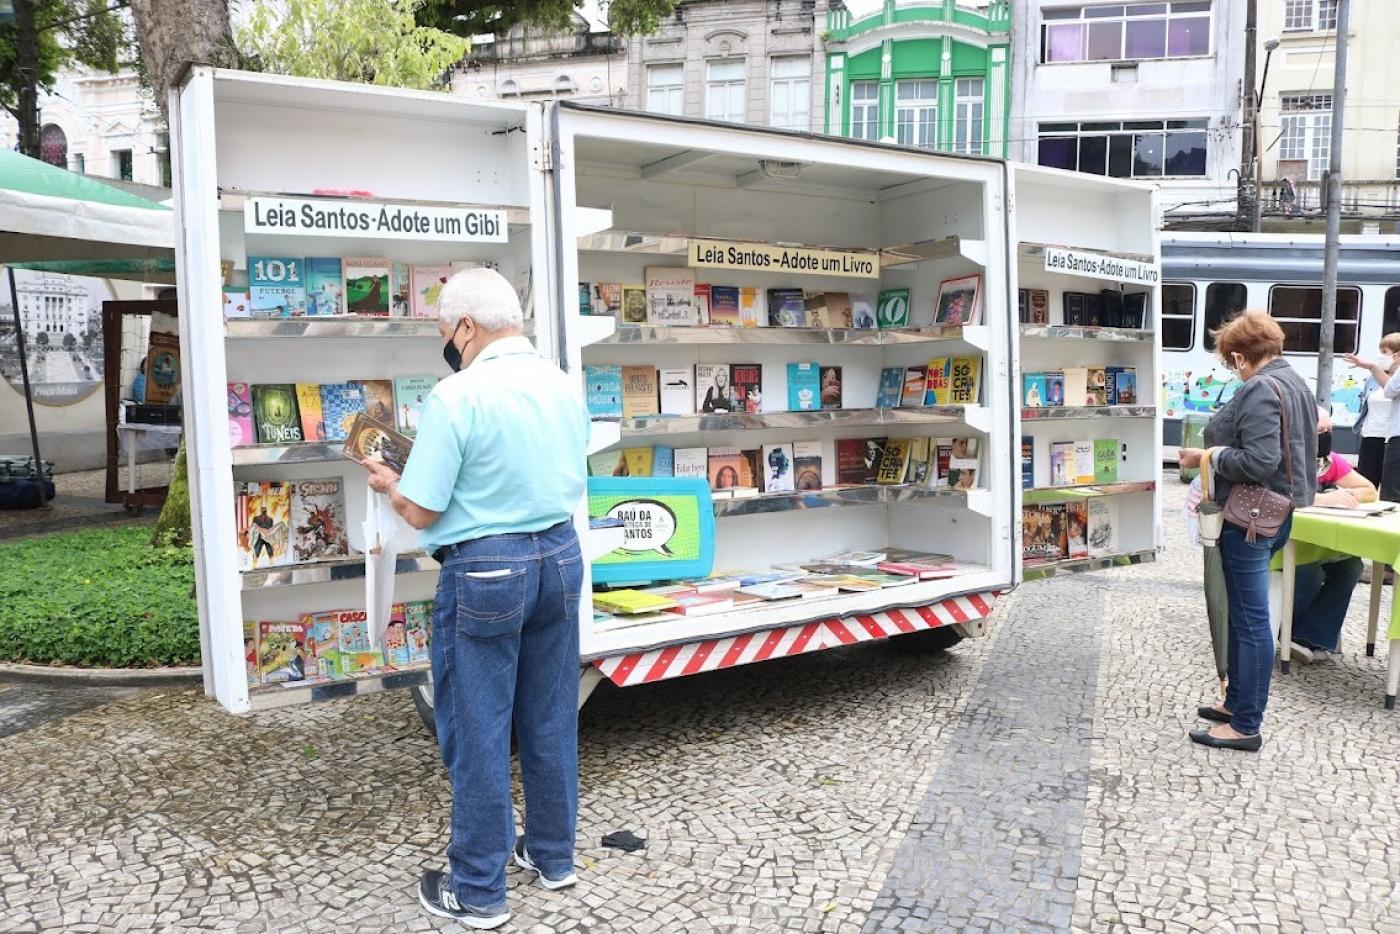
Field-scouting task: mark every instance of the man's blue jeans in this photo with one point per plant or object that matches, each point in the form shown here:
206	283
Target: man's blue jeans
1320	601
505	650
1250	664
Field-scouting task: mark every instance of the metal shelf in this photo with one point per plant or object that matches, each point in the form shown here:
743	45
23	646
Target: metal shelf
306	452
1062	412
976	499
288	694
638	334
350	568
974	416
1060	494
1061	332
1080	565
337	326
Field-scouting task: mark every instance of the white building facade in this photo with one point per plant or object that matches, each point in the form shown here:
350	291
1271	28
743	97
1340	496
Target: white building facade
586	64
1149	90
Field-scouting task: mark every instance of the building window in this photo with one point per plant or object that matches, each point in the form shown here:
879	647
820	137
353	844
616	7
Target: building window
1224	300
1310	15
564	86
665	89
724	90
865	110
790	103
1298	310
53	145
80	163
121	164
1178	315
1127	149
1390	316
1127	31
916	113
1307	131
967	120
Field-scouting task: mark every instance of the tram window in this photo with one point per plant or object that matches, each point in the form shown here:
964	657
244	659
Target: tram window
1390	318
1224	300
1178	315
1298	310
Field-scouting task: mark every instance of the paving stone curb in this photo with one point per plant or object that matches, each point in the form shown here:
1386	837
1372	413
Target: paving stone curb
108	677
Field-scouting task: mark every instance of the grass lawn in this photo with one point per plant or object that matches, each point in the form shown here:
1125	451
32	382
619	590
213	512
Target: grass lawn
99	598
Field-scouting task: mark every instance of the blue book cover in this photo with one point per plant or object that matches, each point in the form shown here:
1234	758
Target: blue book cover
276	288
663	461
787	308
1055	388
604	391
325	293
1033	389
1124	387
804	387
340	403
1027	462
891	387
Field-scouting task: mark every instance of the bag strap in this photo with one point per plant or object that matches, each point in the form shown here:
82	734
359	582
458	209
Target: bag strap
1283	441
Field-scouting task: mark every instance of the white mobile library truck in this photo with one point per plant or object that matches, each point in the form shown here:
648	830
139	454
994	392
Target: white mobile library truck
554	195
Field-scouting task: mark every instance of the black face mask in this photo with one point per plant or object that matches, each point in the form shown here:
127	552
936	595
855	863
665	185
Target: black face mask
1324	445
450	354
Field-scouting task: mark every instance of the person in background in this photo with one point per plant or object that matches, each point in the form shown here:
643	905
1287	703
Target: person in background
1266	434
1322	591
1373	422
496	472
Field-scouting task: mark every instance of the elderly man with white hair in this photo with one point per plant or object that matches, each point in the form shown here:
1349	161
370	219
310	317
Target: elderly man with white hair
497	469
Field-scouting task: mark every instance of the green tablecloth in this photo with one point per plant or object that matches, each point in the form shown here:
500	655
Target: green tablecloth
1318	538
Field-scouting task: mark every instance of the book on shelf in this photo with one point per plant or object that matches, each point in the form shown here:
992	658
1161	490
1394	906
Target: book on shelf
325	286
691	463
634	304
702	304
891	387
1083	474
607	300
894	462
313	422
1076	390
379	399
418	621
1105	460
752	311
778	469
400	289
864	310
318	520
1076	530
959	301
1134	310
677	389
1111	307
964	380
670	296
639	461
807	465
1097	386
1124	387
1062	463
893	308
1054	388
832	390
1043	534
940	455
425	288
750	470
1033	390
746	387
1033	306
786	308
724	306
639	391
367	285
712	392
275	414
663	461
724	465
263	517
815	312
396	637
320	636
839	313
804	387
603	390
696	604
240	415
963	463
1075	314
1103	526
162	368
777	590
276	288
340	403
937	389
1027	462
915	385
410	395
919	464
353	652
371	440
607	464
628	602
281	651
236	302
585	299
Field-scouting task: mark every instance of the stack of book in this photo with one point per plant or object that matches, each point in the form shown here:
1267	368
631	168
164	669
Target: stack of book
1080	386
331	645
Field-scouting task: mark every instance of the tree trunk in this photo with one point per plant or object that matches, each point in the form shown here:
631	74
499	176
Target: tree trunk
27	58
173	526
172	33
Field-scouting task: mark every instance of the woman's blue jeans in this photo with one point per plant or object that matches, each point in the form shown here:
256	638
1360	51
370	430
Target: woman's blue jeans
1250	664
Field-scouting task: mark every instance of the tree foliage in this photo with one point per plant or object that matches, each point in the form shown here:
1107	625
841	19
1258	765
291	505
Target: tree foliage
475	17
371	41
70	32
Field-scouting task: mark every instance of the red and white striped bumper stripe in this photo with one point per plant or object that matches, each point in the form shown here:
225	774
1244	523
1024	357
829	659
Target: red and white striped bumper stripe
695	657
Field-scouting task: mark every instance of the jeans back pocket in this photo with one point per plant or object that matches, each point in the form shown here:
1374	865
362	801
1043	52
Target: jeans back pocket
490	602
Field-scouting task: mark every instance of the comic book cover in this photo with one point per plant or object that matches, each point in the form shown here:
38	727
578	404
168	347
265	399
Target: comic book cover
340	403
281	652
263	517
418	624
318	520
240	415
313	426
375	441
321	638
396	637
275	414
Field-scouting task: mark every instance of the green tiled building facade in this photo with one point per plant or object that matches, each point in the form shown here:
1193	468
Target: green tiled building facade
935	75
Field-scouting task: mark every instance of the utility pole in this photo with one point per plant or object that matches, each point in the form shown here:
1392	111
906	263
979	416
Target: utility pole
1333	189
27	62
1245	199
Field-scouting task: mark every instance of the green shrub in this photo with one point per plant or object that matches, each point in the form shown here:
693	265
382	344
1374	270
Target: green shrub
100	598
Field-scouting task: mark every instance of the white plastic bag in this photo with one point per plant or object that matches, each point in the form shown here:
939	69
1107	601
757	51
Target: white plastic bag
386	535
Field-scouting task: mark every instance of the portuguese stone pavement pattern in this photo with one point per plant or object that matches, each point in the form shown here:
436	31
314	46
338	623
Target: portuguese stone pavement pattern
1035	780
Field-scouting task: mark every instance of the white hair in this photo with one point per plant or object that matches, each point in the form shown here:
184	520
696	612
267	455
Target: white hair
483	295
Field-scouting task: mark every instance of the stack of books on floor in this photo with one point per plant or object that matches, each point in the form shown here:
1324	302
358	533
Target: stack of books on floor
819	579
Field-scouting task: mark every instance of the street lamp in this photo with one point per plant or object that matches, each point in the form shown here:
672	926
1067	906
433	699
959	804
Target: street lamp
1270	44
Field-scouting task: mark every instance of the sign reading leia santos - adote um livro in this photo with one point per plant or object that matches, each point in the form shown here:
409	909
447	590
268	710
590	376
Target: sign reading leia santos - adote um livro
1101	266
305	217
724	254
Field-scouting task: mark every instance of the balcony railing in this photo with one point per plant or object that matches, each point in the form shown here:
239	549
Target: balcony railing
1376	199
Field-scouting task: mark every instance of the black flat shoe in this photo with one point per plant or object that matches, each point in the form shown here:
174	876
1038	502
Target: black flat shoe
1243	744
1212	713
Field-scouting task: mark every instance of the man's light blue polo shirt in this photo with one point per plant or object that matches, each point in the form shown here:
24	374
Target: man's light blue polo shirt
501	447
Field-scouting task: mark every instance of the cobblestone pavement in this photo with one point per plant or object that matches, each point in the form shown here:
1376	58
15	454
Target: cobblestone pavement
26	704
1039	779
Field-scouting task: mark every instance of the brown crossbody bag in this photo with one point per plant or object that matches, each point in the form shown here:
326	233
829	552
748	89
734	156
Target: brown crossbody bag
1257	509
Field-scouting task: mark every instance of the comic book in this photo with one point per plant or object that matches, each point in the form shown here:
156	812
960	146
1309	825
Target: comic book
340	403
418	620
321	638
370	440
396	637
281	652
263	518
318	520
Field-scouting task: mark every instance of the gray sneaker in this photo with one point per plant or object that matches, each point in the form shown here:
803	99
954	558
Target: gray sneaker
437	898
1300	653
523	860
